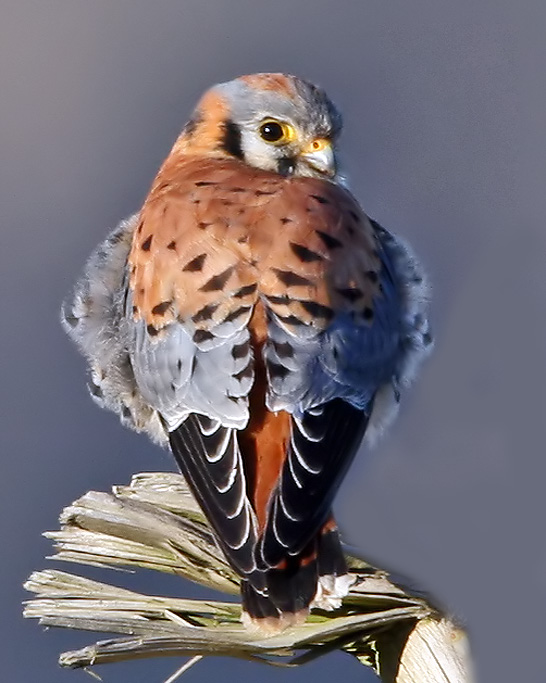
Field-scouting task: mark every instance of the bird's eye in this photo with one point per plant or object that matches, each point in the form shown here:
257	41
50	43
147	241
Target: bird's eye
276	132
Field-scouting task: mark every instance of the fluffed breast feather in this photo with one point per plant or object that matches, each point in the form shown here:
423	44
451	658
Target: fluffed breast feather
94	318
416	340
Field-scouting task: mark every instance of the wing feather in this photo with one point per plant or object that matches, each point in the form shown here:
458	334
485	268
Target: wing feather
322	447
211	463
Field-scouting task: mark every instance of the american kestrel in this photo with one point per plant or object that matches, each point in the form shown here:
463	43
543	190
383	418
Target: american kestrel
255	320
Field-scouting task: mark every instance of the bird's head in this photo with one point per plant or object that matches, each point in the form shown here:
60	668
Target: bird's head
274	122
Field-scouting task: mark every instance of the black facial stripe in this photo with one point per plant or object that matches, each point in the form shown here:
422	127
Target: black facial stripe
232	140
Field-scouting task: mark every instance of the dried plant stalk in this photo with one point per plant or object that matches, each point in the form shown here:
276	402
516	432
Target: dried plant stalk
155	523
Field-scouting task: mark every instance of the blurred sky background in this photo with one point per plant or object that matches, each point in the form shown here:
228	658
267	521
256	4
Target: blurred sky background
92	96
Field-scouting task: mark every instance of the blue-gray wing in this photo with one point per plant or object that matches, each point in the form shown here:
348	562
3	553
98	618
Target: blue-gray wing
340	383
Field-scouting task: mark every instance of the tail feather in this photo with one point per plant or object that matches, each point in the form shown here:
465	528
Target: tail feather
330	556
256	605
292	588
317	577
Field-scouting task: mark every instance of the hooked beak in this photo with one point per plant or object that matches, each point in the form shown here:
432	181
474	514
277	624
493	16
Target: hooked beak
319	155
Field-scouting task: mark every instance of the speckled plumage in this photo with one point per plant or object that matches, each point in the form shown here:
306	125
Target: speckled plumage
252	316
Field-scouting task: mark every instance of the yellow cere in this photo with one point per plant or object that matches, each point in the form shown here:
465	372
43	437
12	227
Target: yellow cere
319	144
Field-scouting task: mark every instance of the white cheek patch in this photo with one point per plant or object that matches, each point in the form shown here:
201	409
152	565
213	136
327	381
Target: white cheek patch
258	153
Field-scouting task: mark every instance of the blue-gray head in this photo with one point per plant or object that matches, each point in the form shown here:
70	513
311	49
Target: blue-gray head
274	122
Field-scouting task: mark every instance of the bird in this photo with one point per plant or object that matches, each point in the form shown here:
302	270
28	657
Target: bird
251	318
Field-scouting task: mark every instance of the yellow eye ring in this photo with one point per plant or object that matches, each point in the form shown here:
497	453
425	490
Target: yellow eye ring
276	132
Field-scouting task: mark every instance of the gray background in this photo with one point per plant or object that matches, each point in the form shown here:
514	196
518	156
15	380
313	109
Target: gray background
92	95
